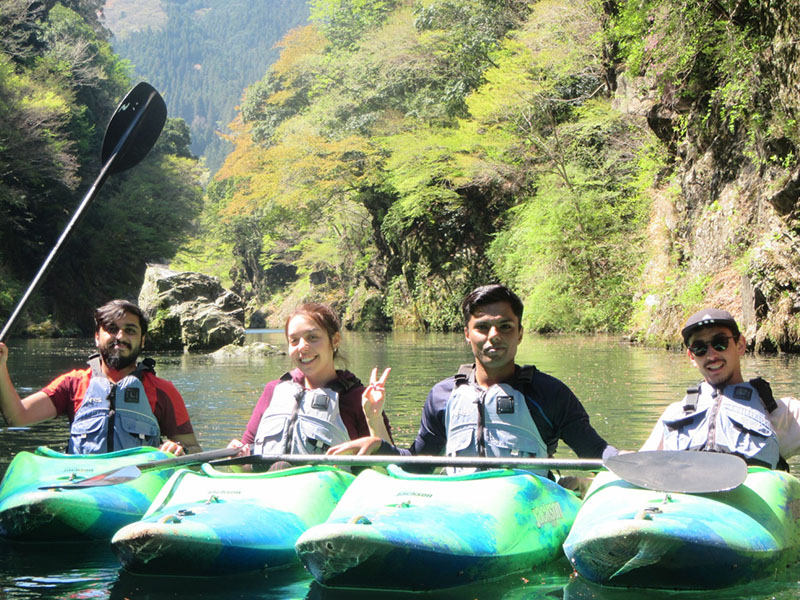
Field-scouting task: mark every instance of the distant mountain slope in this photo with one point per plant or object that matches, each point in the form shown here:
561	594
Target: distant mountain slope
202	54
124	17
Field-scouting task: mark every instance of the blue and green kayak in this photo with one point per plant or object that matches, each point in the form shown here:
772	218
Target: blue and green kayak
632	537
217	523
419	532
31	514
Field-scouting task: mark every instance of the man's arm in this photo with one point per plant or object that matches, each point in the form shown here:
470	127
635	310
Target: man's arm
173	418
785	420
432	435
17	412
566	418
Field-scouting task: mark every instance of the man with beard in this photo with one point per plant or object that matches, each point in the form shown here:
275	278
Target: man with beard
725	413
494	407
116	403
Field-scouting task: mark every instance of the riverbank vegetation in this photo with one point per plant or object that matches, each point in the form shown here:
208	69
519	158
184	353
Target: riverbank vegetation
617	163
399	153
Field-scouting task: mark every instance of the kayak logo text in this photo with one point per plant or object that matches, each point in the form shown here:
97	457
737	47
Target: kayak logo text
547	513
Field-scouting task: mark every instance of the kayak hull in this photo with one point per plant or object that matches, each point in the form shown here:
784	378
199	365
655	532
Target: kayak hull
215	523
629	537
401	531
31	514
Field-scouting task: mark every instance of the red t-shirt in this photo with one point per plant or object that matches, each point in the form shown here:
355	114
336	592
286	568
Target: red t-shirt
349	408
67	392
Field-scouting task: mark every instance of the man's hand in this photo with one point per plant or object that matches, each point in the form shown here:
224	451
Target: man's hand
244	449
361	446
3	354
173	447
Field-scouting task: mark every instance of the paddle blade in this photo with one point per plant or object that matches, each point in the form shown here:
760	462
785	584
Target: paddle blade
685	472
121	475
131	472
134	127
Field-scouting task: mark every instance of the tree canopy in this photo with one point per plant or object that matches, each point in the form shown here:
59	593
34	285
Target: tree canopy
59	84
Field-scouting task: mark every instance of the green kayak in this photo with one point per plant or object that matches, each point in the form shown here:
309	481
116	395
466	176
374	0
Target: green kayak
31	514
419	532
216	523
632	537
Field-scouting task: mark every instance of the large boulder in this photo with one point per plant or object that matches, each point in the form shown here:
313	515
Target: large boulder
189	311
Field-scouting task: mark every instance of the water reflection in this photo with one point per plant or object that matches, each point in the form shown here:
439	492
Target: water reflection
782	586
56	571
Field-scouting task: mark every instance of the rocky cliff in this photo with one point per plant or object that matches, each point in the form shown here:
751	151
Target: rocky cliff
724	222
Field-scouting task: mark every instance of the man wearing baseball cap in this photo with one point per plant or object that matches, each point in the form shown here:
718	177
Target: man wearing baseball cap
725	413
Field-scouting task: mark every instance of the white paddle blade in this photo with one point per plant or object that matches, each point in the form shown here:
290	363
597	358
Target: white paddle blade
685	472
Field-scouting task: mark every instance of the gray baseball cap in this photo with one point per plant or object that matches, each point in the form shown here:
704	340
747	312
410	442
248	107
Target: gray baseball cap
706	317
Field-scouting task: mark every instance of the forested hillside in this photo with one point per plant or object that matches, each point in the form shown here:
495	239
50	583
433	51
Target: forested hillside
618	163
59	84
202	54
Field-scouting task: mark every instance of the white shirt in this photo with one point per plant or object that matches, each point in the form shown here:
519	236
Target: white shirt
785	420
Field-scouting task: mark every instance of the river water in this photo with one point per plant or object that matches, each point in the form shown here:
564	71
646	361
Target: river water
624	388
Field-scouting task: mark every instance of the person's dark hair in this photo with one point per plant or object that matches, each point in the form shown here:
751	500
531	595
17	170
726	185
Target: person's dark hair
321	314
488	294
111	311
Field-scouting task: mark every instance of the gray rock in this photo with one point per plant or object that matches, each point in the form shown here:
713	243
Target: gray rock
254	350
189	311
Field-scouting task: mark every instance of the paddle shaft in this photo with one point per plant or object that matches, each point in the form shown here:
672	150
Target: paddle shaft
186	459
588	464
667	471
76	217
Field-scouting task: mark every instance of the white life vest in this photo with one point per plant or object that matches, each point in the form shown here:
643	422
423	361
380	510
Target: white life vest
493	422
300	421
734	419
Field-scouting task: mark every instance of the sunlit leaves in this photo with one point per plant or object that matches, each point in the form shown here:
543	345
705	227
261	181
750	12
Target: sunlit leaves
345	21
400	150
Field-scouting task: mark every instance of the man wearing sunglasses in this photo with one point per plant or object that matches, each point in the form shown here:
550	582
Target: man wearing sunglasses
725	413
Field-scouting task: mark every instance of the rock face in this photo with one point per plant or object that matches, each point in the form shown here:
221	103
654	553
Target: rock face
189	311
256	350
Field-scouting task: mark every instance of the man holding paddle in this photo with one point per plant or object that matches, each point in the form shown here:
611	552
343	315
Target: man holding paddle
116	403
494	407
725	413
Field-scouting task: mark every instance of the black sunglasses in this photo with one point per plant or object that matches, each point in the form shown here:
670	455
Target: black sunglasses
718	343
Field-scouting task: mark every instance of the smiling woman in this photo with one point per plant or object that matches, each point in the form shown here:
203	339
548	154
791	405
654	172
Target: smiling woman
315	406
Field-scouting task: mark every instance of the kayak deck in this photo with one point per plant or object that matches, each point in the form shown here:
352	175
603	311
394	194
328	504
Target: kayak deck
630	537
404	531
216	523
31	514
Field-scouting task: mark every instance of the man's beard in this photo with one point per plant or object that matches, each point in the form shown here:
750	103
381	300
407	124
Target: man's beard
113	360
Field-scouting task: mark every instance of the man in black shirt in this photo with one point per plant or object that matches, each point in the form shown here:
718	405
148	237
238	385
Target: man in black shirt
480	410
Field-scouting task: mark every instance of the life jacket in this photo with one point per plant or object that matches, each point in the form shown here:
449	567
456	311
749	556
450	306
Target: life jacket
493	422
121	408
734	419
301	421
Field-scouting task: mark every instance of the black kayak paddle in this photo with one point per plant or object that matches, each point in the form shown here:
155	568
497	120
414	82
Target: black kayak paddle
131	133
